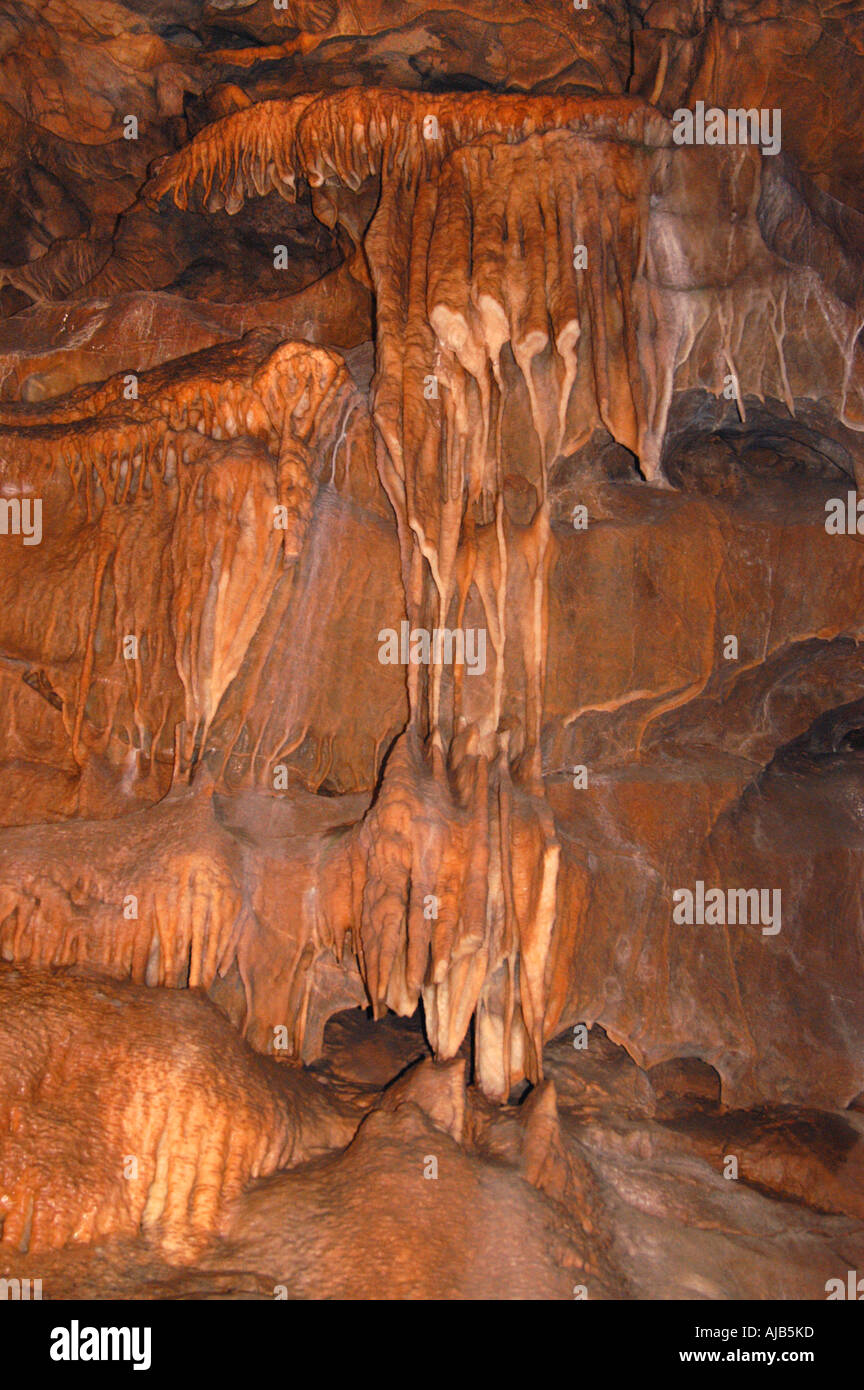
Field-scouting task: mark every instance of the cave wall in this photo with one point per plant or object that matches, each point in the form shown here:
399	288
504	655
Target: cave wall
328	327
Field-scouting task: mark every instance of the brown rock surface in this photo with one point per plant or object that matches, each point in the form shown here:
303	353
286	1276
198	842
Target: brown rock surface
432	709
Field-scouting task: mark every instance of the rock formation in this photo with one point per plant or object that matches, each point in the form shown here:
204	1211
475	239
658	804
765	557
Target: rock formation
430	593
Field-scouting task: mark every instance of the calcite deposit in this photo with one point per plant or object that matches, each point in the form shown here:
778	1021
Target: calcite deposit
430	596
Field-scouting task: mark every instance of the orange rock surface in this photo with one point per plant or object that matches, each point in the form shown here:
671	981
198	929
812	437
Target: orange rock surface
419	593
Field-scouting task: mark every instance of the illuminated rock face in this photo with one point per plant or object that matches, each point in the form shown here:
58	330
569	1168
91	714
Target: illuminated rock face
430	581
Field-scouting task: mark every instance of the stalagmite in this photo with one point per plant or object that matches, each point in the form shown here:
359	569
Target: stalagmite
510	259
429	557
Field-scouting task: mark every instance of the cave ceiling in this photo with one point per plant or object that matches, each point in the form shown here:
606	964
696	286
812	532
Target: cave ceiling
431	699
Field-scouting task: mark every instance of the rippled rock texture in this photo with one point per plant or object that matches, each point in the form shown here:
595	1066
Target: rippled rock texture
432	732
